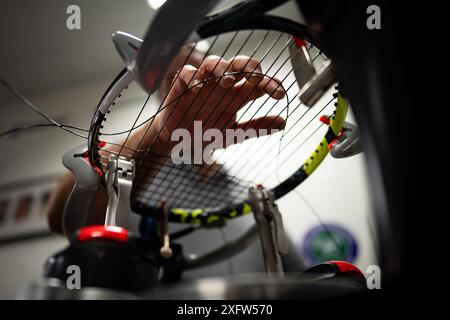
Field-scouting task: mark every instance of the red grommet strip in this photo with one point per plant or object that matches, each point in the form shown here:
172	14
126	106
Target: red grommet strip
325	120
299	42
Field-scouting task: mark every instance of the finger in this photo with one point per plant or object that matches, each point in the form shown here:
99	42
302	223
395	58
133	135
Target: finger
241	96
250	67
188	77
271	86
270	123
217	67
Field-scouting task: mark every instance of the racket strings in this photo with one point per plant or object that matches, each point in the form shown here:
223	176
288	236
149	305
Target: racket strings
227	179
208	168
245	177
162	105
226	49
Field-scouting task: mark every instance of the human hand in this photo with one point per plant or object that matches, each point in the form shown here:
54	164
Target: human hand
213	93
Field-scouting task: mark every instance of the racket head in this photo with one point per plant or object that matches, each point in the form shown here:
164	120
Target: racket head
210	193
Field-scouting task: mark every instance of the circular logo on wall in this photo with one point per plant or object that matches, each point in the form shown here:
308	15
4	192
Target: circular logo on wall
329	242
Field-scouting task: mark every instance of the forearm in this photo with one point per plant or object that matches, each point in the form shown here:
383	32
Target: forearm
57	202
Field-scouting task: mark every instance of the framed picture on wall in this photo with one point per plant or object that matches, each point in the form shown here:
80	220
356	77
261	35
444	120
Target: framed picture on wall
23	207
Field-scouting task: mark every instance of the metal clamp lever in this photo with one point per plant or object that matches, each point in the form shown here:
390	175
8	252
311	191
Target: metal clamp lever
119	180
271	230
348	143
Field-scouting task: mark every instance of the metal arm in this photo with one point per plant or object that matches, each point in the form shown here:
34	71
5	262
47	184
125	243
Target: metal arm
82	196
271	231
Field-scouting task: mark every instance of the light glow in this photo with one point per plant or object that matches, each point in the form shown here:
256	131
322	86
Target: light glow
155	4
